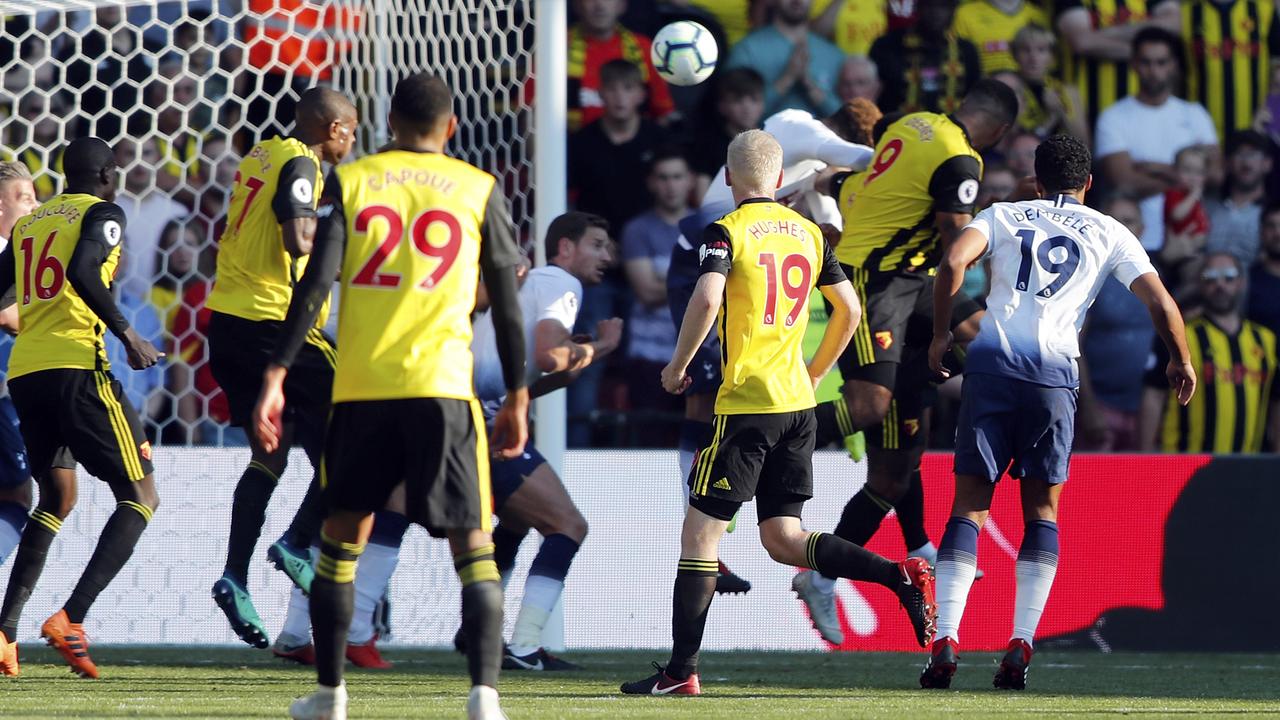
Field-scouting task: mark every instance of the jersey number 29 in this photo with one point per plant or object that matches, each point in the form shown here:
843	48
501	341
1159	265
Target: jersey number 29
1062	268
370	274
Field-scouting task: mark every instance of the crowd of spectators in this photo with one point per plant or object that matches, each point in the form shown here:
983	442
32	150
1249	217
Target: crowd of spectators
1179	101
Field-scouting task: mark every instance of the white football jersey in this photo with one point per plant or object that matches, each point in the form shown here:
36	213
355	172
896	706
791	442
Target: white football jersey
1049	259
808	146
548	293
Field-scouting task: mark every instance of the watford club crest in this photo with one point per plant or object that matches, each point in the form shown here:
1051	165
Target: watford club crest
884	338
911	426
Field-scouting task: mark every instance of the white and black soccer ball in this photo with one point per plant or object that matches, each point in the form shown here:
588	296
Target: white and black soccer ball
684	53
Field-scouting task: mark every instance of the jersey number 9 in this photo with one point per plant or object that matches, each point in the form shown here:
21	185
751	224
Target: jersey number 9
370	274
884	160
1062	268
798	293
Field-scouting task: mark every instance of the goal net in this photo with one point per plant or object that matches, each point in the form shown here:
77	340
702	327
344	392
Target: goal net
182	89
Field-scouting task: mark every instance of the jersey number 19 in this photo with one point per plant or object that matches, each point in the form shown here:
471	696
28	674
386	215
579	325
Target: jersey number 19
798	292
1062	267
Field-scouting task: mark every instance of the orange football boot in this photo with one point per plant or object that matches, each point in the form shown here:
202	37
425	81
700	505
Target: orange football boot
69	640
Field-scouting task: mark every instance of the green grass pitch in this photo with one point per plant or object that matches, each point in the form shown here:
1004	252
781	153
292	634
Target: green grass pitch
174	682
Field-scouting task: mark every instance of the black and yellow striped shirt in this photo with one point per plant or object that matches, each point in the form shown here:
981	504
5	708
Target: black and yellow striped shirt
1101	82
1229	50
1228	413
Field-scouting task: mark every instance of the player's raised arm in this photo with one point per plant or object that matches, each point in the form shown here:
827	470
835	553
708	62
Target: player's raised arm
967	249
1167	320
308	297
846	313
499	257
102	230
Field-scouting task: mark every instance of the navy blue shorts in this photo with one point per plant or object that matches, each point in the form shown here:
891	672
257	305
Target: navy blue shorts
13	454
508	475
1014	425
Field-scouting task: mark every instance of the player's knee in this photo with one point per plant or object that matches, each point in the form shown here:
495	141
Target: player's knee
575	526
780	545
20	495
868	407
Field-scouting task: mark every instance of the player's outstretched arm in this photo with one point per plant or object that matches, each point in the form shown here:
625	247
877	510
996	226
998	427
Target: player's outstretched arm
101	230
698	319
1167	320
958	256
846	313
499	257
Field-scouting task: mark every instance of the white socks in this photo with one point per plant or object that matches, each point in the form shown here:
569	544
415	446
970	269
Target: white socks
952	585
540	596
373	574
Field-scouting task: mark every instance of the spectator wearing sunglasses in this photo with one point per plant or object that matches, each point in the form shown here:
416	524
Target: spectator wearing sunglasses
1235	359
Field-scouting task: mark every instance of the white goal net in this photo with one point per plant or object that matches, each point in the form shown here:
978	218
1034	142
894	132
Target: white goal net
182	88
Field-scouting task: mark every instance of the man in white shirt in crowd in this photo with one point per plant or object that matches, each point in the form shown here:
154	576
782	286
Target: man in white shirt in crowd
1139	136
527	493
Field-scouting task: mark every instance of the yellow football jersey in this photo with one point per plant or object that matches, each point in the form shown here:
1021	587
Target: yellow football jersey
279	180
858	23
991	30
59	330
772	258
414	224
923	164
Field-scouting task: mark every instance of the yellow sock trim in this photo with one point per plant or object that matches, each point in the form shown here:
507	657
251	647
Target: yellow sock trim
48	520
470	555
141	509
353	548
479	571
335	570
811	549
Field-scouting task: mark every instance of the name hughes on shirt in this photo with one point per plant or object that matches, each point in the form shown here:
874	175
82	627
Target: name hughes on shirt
761	228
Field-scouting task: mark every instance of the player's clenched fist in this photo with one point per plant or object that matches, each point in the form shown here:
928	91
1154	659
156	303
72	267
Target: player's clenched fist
674	379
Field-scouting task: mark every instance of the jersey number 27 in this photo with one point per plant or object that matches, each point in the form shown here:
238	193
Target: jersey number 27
1062	267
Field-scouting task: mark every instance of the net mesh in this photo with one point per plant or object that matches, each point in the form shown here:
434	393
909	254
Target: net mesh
183	88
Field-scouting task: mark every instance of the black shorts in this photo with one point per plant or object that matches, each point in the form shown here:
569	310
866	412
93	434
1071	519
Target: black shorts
890	348
87	412
766	457
435	446
239	351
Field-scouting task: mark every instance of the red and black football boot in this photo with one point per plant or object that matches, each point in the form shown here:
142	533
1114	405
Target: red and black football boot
942	665
1014	667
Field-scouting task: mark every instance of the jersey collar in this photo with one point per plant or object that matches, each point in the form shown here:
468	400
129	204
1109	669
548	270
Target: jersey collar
756	200
1063	200
956	121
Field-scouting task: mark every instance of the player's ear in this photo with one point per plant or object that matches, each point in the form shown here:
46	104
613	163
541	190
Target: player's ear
1088	182
453	127
728	179
775	187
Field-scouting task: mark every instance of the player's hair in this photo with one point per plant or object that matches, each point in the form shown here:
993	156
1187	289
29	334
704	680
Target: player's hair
1031	32
1063	163
423	101
1154	34
855	119
572	225
84	160
1248	139
320	106
755	161
13	170
737	83
620	71
993	99
665	152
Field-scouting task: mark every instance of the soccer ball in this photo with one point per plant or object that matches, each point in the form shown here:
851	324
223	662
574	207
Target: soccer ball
684	53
